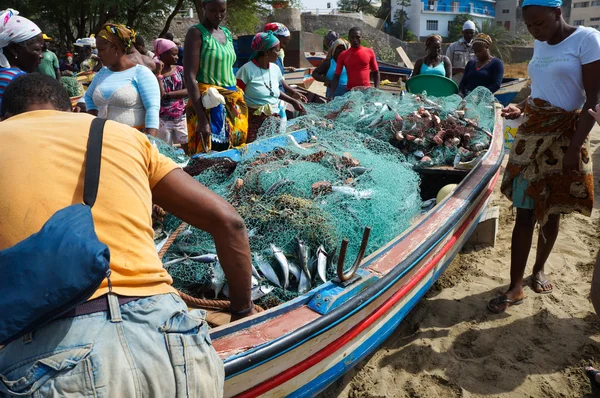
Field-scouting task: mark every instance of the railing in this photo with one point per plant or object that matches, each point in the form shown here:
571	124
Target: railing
459	10
333	11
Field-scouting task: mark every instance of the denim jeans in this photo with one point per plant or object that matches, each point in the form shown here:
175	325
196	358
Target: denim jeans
151	347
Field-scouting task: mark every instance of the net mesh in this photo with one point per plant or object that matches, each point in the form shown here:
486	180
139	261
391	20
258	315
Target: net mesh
355	171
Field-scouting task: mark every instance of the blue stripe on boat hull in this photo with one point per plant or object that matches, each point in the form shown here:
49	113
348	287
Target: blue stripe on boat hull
332	374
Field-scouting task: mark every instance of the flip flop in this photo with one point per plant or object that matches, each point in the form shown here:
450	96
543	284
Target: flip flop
591	374
537	282
502	300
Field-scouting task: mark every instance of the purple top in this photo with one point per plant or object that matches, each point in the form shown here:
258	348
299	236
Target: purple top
173	109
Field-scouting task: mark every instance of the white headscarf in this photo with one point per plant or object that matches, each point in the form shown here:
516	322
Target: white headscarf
14	29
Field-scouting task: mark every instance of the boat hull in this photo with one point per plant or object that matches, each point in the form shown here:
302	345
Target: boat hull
509	89
293	350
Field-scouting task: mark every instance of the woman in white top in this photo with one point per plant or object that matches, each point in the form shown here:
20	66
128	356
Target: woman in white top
123	91
260	79
549	169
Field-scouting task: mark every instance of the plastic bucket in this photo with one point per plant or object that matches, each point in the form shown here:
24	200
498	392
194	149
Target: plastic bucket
510	131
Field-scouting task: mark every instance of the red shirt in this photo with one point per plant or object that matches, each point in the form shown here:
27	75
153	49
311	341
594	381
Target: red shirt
359	63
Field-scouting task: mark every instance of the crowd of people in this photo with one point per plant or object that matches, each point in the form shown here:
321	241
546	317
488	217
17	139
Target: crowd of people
192	97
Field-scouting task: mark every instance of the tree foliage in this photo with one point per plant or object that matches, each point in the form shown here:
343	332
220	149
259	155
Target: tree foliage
401	18
366	6
455	32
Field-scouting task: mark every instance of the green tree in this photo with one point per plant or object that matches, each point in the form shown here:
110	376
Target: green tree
501	39
455	32
400	20
366	6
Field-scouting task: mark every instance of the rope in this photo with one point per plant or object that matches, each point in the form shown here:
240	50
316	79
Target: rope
190	300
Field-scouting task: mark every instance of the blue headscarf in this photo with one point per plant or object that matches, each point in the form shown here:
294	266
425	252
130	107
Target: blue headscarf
543	3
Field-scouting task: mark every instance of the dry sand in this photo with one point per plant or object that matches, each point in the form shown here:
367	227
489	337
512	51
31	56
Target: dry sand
450	345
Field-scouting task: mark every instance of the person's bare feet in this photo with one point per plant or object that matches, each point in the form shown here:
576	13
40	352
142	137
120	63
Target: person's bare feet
594	377
540	283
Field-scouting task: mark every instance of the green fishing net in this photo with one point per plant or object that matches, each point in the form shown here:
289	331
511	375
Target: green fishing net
355	170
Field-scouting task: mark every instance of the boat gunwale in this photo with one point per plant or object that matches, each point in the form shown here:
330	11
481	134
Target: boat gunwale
242	362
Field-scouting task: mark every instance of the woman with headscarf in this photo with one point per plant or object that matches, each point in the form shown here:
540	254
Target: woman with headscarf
217	116
123	91
21	47
485	70
549	170
260	80
326	70
173	127
434	63
329	39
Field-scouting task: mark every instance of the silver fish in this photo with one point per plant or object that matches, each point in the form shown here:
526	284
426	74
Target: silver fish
225	290
366	194
312	268
282	261
322	263
218	280
304	283
260	291
277	185
255	272
266	270
205	258
295	270
303	254
160	244
358	170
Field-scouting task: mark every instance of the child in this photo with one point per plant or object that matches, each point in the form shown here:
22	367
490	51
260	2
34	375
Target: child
173	125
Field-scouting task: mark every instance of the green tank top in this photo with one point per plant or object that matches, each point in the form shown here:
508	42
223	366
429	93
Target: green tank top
216	59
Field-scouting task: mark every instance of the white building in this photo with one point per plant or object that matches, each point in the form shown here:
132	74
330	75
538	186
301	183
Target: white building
428	17
327	6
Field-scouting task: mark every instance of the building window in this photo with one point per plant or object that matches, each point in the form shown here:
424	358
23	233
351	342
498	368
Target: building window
499	23
450	25
595	3
505	11
456	6
594	19
507	25
578	22
328	5
582	4
432	25
595	26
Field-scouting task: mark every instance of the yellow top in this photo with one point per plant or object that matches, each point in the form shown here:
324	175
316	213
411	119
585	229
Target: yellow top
41	171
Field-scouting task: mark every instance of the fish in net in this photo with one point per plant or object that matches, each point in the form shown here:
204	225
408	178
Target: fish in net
354	171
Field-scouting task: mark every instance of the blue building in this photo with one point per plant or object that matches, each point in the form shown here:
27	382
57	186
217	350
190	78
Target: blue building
428	17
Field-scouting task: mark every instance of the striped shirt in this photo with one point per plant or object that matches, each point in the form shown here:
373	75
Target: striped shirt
216	59
6	76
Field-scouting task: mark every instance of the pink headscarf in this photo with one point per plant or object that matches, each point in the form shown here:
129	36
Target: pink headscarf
162	45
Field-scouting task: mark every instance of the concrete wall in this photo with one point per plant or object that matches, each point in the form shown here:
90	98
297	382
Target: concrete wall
378	40
417	50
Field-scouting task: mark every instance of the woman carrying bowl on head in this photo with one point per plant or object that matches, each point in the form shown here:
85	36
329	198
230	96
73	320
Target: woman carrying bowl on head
486	70
434	63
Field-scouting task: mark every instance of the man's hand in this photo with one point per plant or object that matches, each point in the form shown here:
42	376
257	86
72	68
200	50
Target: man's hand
511	112
595	113
572	161
299	96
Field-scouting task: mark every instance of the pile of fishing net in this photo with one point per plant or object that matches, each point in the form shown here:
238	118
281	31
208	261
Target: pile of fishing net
300	200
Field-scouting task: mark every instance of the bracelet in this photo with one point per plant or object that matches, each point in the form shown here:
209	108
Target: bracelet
242	312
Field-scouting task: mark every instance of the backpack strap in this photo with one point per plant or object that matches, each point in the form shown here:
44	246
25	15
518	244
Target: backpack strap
93	158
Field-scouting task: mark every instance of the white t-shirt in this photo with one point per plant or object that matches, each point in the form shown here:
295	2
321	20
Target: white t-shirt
258	81
555	70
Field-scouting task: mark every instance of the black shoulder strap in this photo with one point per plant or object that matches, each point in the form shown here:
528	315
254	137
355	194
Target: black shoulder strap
93	157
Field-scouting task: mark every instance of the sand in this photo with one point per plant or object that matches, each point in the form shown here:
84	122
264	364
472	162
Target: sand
450	345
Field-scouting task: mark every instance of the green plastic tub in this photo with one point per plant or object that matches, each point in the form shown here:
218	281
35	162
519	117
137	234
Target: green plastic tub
436	86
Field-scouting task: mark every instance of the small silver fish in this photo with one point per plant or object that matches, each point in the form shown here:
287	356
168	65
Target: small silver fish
322	263
160	244
312	268
366	194
266	270
277	185
260	291
218	280
358	170
205	258
282	261
225	290
255	272
295	270
304	283
303	254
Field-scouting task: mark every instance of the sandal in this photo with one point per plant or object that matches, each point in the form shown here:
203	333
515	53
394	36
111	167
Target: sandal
591	374
502	300
538	284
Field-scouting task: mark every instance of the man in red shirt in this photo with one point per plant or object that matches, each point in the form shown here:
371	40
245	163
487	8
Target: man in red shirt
360	63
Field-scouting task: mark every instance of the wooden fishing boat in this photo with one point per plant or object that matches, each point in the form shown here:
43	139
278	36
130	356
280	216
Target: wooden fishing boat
315	57
510	88
299	348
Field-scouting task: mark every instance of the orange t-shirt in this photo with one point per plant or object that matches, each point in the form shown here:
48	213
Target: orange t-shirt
42	156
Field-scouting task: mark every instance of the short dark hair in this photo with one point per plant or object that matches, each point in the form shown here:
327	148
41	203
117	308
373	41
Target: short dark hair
33	88
354	29
169	36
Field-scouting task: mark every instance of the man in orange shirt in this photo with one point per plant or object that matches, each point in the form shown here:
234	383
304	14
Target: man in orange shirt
146	344
360	62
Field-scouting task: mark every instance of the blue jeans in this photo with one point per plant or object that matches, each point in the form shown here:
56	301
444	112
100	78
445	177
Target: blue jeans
151	347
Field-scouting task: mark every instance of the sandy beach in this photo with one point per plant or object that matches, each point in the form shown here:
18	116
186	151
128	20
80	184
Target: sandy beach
450	345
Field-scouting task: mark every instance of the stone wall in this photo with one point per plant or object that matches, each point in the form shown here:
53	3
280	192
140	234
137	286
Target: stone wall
377	39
